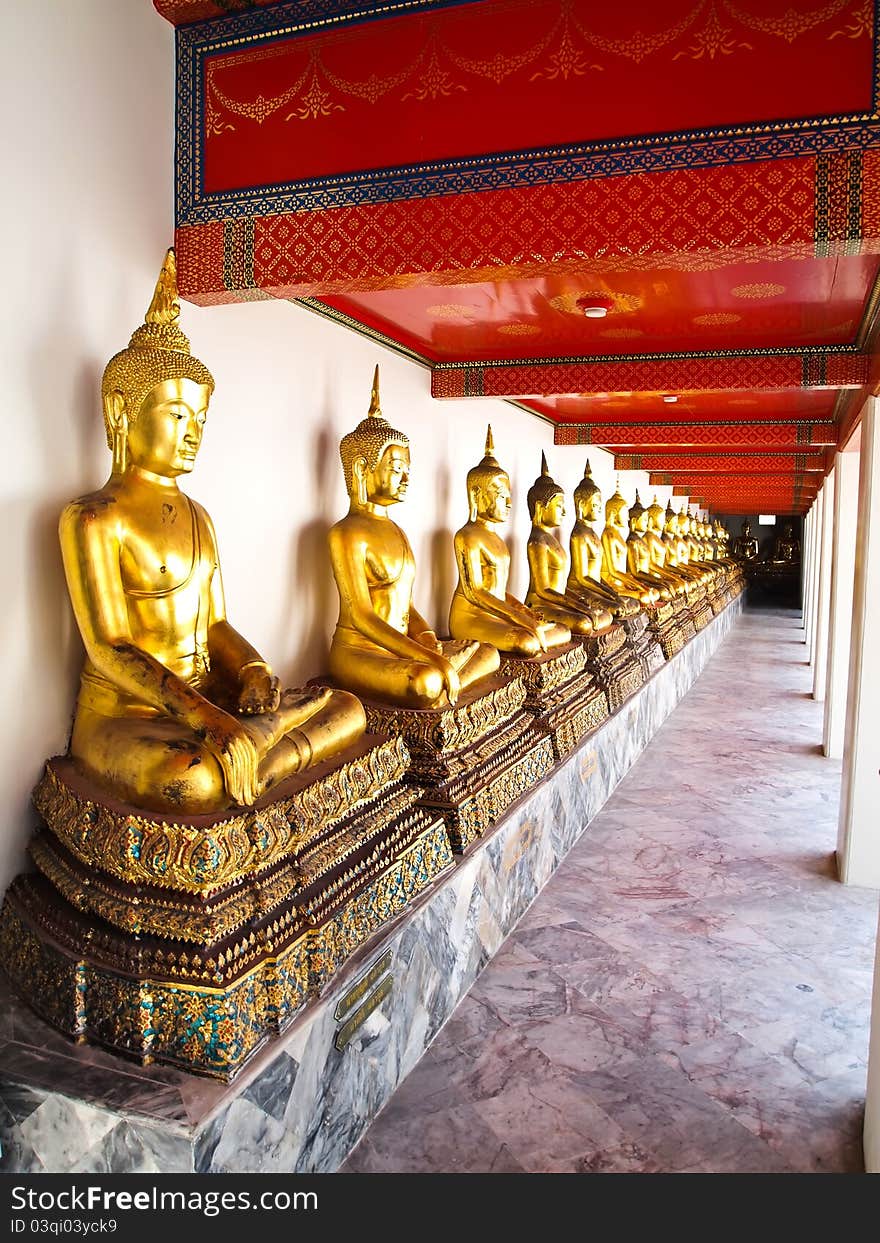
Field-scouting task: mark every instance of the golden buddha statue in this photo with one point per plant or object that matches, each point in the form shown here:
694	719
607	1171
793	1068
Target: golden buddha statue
678	547
745	547
548	564
786	548
176	711
661	563
585	565
482	607
638	552
382	647
614	555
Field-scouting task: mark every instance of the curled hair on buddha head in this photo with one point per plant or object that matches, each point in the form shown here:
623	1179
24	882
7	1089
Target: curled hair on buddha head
481	475
543	490
157	351
617	501
587	488
369	440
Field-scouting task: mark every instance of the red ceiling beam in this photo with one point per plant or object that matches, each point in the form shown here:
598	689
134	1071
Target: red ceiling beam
731	436
721	463
661	374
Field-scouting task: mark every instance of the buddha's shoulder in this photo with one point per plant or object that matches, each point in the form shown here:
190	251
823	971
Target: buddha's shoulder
95	508
358	526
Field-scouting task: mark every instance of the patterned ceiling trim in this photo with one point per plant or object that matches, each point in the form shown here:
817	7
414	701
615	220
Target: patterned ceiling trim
746	463
698	435
701	147
252	15
695	220
774	370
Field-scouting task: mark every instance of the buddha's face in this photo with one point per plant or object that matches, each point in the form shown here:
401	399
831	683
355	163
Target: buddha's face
588	507
554	510
166	435
493	499
747	528
638	521
388	481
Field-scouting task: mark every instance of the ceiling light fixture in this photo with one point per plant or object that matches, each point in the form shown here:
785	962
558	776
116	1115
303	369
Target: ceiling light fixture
595	306
670	398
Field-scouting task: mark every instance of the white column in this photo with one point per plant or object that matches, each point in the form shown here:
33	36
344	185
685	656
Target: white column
805	565
817	566
843	564
811	566
820	656
858	837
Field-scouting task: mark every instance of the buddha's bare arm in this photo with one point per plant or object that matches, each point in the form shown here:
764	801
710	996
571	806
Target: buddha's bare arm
539	563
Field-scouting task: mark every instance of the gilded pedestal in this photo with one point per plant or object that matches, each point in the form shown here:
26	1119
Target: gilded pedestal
562	695
614	664
191	940
472	762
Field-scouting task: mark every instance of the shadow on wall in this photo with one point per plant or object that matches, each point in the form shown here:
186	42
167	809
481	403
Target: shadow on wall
442	567
312	601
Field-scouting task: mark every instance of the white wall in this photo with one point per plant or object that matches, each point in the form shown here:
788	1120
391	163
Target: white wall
88	202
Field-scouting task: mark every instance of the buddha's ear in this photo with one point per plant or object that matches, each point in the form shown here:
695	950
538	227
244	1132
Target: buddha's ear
472	502
359	479
116	416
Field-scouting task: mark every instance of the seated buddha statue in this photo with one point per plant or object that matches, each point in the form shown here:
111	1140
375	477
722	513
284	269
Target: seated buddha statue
548	564
638	552
678	548
660	563
482	608
585	569
176	711
786	548
745	546
614	555
382	647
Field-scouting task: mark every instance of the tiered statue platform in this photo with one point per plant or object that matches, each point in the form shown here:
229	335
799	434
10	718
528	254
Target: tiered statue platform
671	624
614	664
644	643
565	700
305	1099
190	940
474	761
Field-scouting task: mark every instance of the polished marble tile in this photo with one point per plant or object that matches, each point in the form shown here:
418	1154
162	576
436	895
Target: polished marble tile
691	990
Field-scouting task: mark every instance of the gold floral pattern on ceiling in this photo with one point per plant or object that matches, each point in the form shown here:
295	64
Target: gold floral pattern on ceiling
716	319
757	291
450	310
437	69
519	330
568	301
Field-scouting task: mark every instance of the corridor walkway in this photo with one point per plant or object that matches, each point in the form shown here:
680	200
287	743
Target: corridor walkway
691	991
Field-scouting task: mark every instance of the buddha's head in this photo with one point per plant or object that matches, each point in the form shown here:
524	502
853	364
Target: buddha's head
615	508
787	530
655	516
638	517
684	523
488	487
671	520
375	458
587	497
746	528
155	394
545	499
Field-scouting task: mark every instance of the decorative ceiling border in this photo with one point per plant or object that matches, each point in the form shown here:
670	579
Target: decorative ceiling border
604	158
762	351
372	334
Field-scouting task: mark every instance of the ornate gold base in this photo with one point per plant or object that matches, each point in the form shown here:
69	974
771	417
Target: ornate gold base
474	761
562	695
614	664
141	949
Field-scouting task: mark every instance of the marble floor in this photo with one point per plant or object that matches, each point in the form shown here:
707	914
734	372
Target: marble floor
691	991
